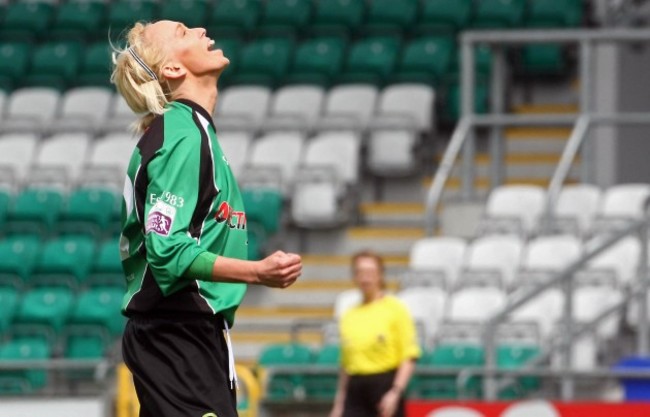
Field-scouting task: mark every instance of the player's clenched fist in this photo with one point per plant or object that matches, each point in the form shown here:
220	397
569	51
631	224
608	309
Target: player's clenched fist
279	270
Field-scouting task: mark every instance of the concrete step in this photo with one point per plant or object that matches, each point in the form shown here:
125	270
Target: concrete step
546	108
388	240
394	213
327	267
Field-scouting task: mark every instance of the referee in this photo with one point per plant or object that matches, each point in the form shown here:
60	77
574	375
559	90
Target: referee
184	236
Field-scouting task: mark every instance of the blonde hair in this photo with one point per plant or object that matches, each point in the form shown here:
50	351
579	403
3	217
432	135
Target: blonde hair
147	96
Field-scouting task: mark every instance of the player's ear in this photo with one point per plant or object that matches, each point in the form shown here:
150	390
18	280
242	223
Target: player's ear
173	70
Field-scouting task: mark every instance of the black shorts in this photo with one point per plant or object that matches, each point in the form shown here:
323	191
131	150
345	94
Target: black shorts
365	392
180	366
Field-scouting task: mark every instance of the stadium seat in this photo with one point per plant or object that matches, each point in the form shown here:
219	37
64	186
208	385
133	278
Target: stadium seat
427	306
5	198
338	150
346	300
60	159
323	386
8	305
23	381
17	151
546	255
545	310
452	110
554	13
513	209
64	261
30	109
19	254
54	65
620	262
107	161
192	13
284	17
242	108
264	206
84	347
317	61
370	60
284	387
231	48
264	62
515	356
337	17
35	211
493	257
233	18
123	13
77	20
295	107
42	312
88	212
14	62
475	304
426	60
590	301
82	110
256	240
106	269
98	307
575	209
621	204
444	17
26	21
120	117
96	66
404	112
387	17
280	154
442	256
455	356
544	59
348	107
315	204
499	14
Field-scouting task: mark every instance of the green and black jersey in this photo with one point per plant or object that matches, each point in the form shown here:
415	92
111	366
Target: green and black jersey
180	201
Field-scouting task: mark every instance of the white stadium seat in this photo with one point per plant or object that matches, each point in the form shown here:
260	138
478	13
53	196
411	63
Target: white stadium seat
17	151
427	306
545	310
476	304
442	255
120	116
346	300
513	209
349	106
279	152
108	159
620	204
242	108
546	255
576	207
60	159
621	261
235	146
295	107
83	109
30	109
498	254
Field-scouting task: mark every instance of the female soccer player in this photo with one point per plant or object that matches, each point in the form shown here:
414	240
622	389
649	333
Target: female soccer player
378	348
184	237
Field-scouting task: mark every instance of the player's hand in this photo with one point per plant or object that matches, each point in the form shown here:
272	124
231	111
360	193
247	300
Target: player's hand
279	270
388	404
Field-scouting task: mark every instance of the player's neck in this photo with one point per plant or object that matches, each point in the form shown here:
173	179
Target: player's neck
369	297
202	91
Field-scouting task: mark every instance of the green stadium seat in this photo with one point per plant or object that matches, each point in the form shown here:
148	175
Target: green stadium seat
371	60
24	21
122	14
99	308
444	16
233	18
88	211
514	357
285	387
389	17
8	306
337	17
452	104
34	210
192	13
14	61
107	266
256	240
96	66
64	261
554	13
42	313
317	61
19	254
54	64
323	387
264	62
83	347
264	206
544	59
5	199
231	48
450	355
284	17
77	20
426	59
23	381
490	14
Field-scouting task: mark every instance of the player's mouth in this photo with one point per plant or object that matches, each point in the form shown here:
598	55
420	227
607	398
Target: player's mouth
211	44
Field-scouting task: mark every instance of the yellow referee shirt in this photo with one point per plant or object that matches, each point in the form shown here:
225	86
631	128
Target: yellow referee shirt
377	337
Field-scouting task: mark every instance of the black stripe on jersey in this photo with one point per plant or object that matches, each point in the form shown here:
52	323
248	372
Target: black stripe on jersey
207	189
149	144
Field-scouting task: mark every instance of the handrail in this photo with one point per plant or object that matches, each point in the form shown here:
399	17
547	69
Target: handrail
564	276
519	37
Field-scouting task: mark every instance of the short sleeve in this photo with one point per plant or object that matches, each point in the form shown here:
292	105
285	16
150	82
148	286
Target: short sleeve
407	338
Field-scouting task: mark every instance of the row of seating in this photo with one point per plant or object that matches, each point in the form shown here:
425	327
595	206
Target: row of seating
582	210
445	357
76	19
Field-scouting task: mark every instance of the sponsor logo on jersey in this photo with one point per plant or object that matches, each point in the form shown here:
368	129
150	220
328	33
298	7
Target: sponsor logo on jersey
235	219
160	219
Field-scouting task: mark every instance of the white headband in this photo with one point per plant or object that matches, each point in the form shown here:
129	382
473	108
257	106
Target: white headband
142	63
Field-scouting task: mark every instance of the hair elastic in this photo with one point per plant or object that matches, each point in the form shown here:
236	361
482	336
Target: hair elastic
142	63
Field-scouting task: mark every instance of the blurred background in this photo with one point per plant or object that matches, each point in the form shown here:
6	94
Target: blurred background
494	152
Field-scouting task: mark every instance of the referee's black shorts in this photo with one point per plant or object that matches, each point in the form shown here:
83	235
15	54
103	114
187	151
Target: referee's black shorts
180	366
364	393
